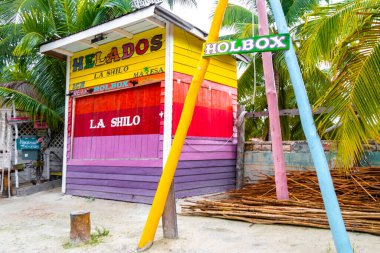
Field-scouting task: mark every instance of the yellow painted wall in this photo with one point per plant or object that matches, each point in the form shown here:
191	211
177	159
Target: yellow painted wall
187	50
146	64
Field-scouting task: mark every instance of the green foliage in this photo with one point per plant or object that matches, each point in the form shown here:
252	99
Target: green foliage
346	36
95	238
24	26
338	46
98	236
239	18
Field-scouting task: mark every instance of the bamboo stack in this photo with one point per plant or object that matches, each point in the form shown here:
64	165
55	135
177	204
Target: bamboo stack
358	193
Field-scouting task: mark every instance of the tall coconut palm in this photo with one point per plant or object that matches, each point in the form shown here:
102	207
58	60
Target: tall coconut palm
239	18
25	25
346	36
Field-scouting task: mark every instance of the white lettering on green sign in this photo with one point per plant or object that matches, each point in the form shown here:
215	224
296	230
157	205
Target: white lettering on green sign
242	46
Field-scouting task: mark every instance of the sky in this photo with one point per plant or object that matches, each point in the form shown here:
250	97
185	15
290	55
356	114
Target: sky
197	16
200	16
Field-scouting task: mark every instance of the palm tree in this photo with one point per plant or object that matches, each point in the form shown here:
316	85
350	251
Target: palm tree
25	25
239	18
346	36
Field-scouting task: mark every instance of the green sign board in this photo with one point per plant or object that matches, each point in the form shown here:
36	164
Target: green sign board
265	43
28	144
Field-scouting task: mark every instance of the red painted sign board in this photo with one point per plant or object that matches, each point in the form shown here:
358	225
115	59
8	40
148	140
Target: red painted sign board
126	112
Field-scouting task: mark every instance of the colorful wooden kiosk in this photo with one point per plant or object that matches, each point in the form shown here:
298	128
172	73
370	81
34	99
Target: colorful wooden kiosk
126	84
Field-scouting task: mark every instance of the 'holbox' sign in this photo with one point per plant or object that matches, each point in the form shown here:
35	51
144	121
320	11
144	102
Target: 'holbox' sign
265	43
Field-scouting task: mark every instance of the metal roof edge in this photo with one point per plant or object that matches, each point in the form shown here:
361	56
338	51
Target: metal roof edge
181	23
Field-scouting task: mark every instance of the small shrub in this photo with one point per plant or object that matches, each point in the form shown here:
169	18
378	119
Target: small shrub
95	239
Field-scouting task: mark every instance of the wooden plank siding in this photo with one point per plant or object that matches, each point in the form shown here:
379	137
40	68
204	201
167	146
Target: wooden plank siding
122	163
187	50
120	168
208	160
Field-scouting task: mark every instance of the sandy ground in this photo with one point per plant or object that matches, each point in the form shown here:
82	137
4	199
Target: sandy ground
41	223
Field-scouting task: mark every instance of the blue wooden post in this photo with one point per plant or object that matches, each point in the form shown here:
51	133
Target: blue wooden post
334	215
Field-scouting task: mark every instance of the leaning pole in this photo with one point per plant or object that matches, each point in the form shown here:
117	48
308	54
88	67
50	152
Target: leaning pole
334	215
274	115
147	236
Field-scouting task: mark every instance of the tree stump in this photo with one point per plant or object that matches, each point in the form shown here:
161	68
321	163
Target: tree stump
80	227
7	185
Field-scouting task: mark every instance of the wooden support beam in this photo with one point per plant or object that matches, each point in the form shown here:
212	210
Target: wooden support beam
156	22
63	51
240	148
286	112
340	236
274	115
123	32
169	217
88	43
167	176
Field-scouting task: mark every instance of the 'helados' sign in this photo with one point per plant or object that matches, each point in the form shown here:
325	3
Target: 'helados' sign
127	51
265	43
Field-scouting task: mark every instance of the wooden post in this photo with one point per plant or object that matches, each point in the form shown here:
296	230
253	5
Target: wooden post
80	227
274	116
240	148
169	217
167	176
334	215
7	184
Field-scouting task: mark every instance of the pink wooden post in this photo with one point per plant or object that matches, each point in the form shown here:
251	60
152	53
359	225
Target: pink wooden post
274	116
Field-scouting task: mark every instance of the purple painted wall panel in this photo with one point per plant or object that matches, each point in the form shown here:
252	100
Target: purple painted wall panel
112	196
205	190
135	184
113	177
206	166
205	177
202	171
113	183
82	147
191	148
197	156
153	162
116	147
121	190
209	183
149	171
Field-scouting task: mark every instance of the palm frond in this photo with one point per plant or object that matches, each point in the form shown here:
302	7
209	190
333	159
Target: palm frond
236	14
354	97
298	8
328	26
188	3
32	106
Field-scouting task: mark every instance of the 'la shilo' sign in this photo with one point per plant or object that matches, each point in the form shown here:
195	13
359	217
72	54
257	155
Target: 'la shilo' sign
117	122
265	43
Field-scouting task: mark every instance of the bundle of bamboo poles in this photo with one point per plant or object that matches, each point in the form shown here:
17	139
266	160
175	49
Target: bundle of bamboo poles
358	193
